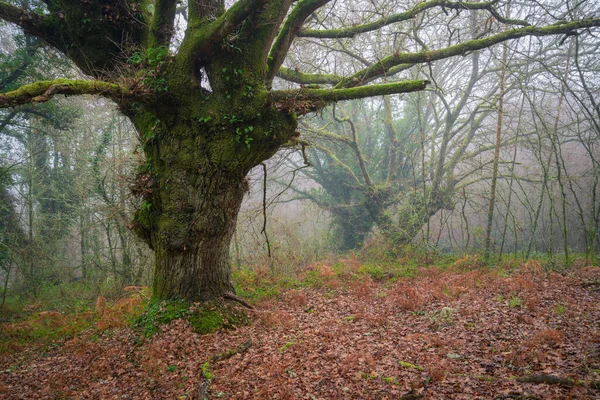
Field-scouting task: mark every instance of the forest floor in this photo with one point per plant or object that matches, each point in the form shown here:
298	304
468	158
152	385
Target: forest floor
444	333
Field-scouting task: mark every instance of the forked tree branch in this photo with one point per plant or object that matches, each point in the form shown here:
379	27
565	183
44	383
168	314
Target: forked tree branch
201	39
288	32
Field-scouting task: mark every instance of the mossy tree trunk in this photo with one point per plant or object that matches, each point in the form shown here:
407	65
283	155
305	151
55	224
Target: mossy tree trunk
192	186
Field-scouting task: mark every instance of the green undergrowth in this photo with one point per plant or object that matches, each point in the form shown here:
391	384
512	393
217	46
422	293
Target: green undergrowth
51	318
60	312
42	330
204	318
260	284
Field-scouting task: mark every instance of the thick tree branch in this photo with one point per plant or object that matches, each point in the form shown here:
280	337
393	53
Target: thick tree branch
42	91
288	32
303	78
32	24
382	67
306	100
409	14
162	26
18	72
201	39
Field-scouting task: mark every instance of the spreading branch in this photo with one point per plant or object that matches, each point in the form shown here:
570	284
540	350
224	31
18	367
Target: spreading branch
43	91
382	67
293	75
406	15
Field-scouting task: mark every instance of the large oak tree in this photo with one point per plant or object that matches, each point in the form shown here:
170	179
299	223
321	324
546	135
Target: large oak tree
203	101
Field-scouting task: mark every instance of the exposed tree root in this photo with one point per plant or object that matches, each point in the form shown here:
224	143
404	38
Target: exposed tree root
233	297
207	375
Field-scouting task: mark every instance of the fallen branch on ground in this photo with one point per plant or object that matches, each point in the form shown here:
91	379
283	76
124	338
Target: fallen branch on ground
557	380
207	375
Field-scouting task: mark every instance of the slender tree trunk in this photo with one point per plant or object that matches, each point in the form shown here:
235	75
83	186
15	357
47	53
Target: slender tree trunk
490	215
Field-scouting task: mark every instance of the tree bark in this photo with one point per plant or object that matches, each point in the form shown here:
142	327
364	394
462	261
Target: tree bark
192	244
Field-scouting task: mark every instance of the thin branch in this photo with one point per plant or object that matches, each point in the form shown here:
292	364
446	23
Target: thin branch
382	67
404	16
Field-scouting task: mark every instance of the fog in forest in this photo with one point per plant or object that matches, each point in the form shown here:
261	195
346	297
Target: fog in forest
498	157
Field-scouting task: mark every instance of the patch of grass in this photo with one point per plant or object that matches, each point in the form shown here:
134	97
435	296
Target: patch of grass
160	313
515	302
204	318
349	318
375	271
42	329
410	365
257	285
286	346
560	309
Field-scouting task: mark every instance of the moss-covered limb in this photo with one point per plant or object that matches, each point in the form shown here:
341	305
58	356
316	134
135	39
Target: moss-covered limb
208	375
42	91
33	24
331	135
305	100
406	15
201	38
293	23
259	32
303	78
90	33
162	25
